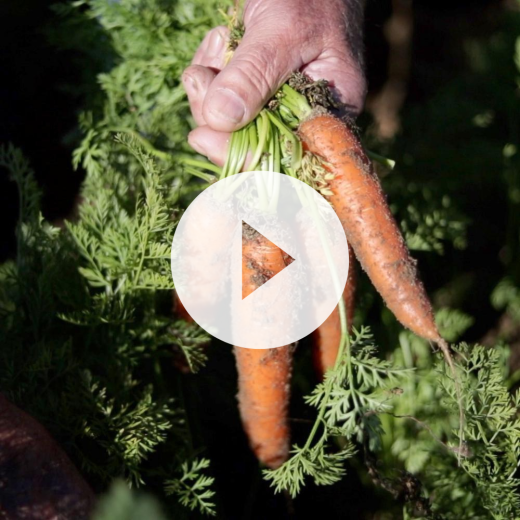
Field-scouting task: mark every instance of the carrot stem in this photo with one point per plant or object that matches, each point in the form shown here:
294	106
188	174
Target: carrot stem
201	175
236	153
277	163
296	146
202	164
344	339
295	102
344	345
253	140
262	128
230	154
241	156
384	161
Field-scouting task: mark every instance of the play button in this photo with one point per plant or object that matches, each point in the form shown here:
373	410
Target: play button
259	260
288	259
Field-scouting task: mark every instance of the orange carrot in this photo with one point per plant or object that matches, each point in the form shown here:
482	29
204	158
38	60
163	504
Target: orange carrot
263	374
370	228
326	338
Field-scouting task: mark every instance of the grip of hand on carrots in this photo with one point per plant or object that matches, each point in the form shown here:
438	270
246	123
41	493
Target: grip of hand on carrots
354	190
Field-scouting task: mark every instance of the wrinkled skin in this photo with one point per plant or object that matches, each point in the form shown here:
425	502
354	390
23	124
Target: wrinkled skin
322	38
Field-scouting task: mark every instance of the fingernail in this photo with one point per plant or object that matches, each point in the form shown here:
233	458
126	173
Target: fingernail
191	85
227	105
217	42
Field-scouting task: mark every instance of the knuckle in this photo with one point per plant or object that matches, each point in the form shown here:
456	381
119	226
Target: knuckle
341	55
252	74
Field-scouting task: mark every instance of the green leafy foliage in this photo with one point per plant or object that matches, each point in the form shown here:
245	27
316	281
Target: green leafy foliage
80	333
129	432
410	416
431	221
85	308
492	431
475	479
358	387
314	462
349	400
193	488
189	339
452	323
506	296
147	44
125	254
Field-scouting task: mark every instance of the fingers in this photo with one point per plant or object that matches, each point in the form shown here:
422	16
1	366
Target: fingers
214	145
260	64
196	80
345	78
207	62
210	143
212	51
225	97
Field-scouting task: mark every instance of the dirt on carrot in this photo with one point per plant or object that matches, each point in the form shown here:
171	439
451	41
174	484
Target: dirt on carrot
371	230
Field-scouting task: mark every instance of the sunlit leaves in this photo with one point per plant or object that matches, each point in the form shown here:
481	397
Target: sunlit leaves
193	488
350	397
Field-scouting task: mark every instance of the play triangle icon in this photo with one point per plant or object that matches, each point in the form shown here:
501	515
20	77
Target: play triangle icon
262	260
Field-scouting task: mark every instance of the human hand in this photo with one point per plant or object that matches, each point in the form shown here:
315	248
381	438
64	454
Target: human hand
322	38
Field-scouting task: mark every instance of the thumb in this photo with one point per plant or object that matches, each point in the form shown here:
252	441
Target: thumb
254	74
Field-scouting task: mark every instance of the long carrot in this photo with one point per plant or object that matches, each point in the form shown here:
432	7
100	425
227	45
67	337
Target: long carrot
326	338
371	230
263	374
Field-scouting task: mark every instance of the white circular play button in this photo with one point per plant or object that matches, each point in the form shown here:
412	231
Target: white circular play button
213	255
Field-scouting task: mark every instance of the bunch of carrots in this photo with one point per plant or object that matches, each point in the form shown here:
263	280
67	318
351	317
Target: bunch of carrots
293	135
